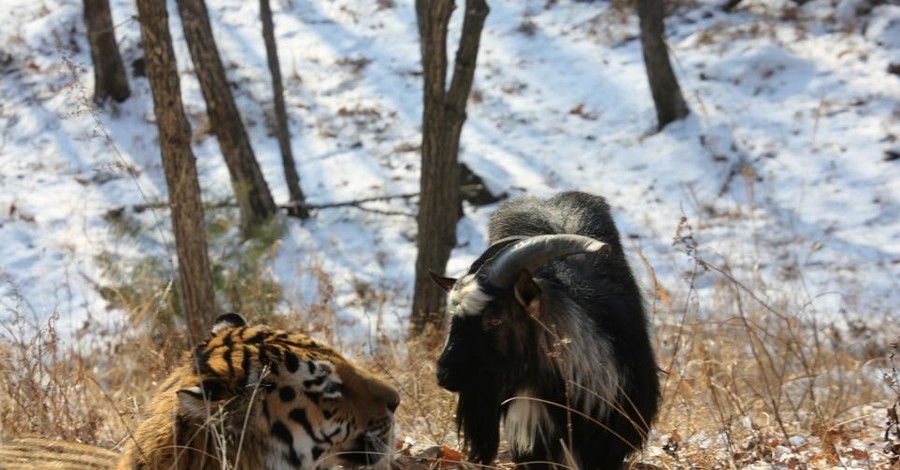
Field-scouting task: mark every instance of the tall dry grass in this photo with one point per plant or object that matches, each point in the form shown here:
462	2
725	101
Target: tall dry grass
751	380
93	394
748	381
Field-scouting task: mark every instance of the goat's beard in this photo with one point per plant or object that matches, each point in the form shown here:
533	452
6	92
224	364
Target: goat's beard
478	416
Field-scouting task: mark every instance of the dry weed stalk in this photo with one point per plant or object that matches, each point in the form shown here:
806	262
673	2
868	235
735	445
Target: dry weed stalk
78	395
756	381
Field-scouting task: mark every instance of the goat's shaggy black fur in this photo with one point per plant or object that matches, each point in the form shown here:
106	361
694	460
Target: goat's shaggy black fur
563	358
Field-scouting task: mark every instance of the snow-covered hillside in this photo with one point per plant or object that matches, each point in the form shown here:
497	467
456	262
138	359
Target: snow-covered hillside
787	170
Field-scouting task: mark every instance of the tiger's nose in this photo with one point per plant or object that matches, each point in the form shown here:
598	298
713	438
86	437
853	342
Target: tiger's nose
393	401
385	393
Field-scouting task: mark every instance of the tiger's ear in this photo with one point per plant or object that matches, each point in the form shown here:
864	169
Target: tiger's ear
446	283
228	320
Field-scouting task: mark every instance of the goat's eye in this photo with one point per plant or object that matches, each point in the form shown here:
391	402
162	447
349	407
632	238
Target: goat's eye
494	322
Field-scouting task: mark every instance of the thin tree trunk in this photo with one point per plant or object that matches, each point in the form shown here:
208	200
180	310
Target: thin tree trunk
282	132
250	188
443	116
422	7
109	72
197	294
437	229
670	104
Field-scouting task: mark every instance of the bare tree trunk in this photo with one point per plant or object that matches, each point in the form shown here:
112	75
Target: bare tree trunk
282	132
443	117
422	7
250	188
109	72
670	104
198	296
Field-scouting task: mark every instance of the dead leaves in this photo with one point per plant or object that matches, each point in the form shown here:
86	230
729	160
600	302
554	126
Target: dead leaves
433	457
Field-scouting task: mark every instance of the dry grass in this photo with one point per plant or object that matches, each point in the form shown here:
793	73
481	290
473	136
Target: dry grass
765	389
752	381
94	395
747	383
95	387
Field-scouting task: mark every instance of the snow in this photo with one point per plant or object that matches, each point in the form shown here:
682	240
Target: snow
780	169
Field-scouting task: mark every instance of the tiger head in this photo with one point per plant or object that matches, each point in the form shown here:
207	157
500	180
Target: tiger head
257	397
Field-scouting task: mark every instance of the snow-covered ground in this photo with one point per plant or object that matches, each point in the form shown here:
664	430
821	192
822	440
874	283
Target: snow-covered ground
783	169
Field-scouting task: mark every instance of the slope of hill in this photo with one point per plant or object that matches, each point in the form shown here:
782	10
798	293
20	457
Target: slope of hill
783	184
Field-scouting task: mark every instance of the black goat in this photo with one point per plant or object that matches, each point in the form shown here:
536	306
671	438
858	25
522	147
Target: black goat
548	335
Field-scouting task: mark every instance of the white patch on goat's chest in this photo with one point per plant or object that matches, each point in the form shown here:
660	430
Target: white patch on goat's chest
525	420
466	298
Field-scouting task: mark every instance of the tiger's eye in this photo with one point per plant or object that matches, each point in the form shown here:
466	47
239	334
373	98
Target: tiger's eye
334	388
214	389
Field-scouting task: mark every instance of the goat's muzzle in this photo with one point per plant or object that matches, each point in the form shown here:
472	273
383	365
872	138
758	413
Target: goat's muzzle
447	380
459	357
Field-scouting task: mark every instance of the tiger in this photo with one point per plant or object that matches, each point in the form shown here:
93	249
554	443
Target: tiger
48	454
250	397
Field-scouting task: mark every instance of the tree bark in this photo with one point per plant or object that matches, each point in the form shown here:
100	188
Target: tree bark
422	7
250	188
197	294
109	71
282	132
444	113
670	104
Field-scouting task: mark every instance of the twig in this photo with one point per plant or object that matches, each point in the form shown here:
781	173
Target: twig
353	203
138	208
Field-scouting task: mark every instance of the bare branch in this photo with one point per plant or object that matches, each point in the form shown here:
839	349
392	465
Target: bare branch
358	203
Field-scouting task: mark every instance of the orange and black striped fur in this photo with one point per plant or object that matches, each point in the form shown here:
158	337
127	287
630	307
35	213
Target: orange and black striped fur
253	397
40	453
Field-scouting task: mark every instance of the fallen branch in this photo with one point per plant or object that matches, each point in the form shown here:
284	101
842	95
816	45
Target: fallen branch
353	203
358	203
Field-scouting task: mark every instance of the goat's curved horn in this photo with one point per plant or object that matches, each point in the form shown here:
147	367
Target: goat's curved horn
492	251
532	253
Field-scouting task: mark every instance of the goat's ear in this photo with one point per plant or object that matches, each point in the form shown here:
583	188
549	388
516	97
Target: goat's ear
527	292
446	283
